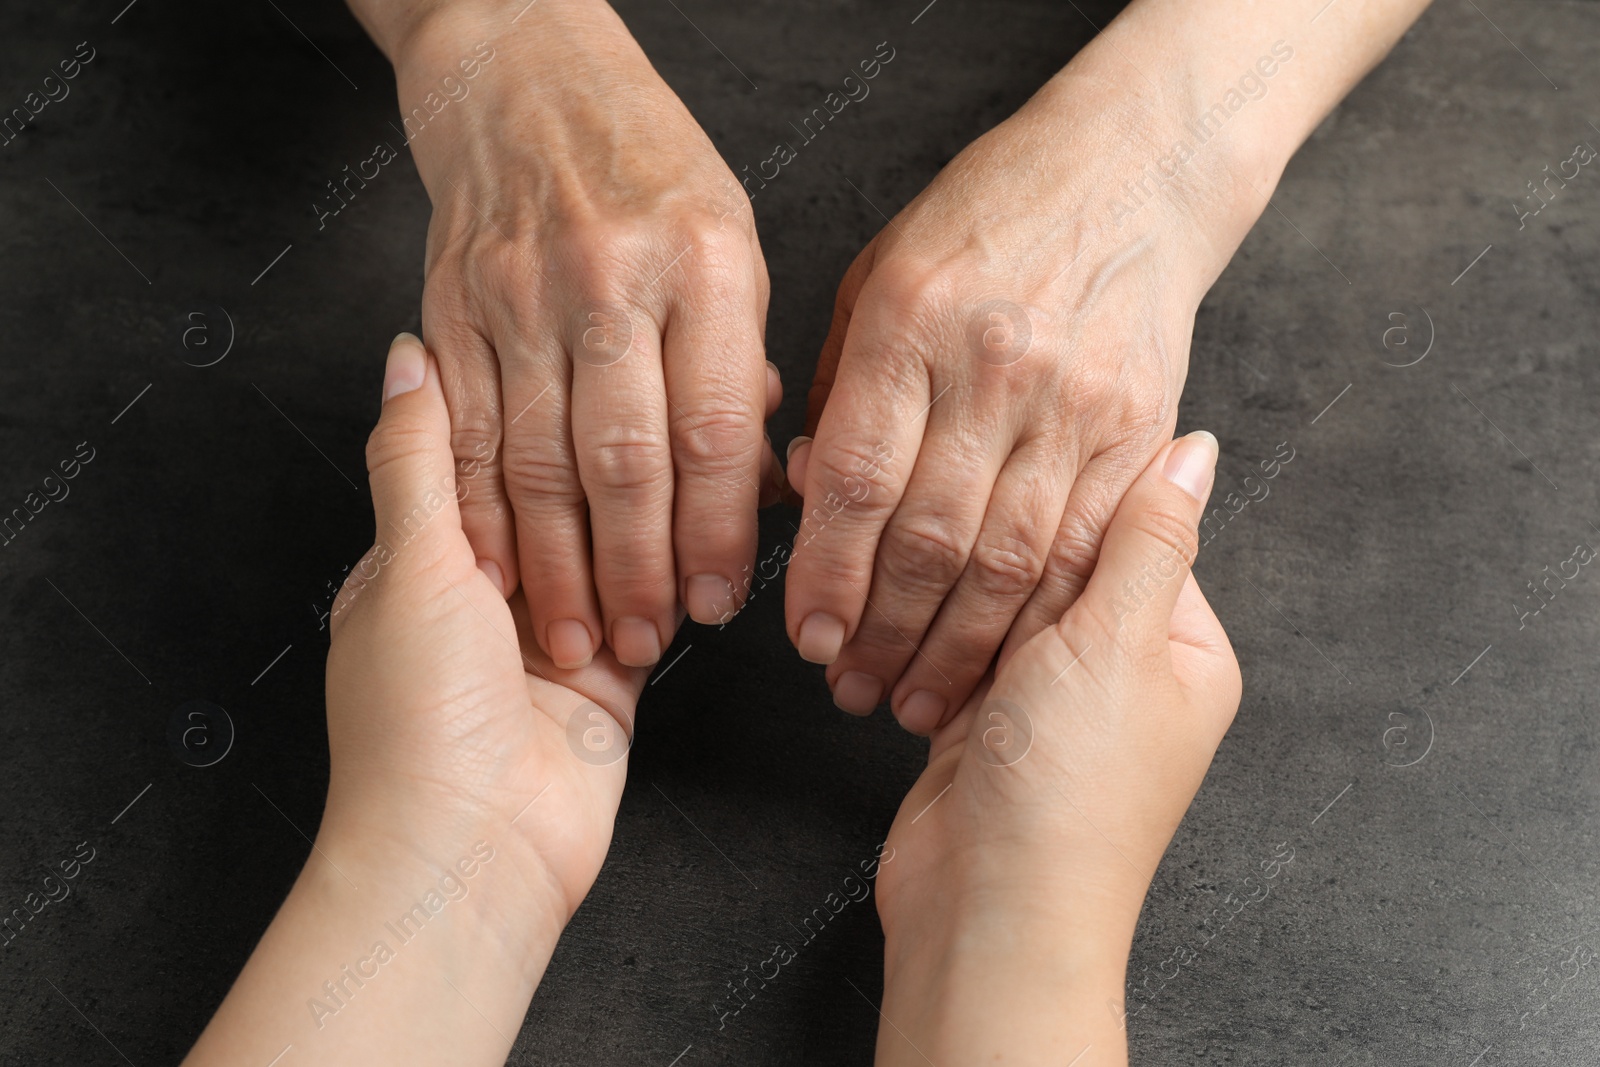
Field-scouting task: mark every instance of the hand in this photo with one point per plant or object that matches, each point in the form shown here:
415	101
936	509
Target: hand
472	794
596	298
1023	853
1007	360
443	713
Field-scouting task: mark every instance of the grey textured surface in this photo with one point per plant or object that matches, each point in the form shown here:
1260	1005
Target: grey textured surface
1435	913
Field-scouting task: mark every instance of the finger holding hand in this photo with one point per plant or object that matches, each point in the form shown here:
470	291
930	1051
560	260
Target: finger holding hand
1147	552
922	552
1001	573
469	370
411	471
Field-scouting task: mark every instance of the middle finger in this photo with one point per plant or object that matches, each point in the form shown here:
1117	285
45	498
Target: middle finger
619	431
923	551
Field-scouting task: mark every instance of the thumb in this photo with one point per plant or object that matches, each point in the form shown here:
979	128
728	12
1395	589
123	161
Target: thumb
1152	541
410	465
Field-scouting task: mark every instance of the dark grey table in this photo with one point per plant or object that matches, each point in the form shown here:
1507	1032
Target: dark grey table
1426	749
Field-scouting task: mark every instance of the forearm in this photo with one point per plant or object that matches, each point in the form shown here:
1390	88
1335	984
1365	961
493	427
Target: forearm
554	93
411	30
394	24
1217	95
379	960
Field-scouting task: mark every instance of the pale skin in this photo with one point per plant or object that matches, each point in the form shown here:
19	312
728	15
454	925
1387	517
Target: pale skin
596	295
557	193
445	721
476	785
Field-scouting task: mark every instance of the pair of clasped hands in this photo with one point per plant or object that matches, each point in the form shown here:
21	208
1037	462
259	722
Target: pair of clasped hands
996	534
464	791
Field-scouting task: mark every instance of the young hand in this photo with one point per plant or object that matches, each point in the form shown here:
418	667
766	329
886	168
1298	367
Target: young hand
473	790
1023	853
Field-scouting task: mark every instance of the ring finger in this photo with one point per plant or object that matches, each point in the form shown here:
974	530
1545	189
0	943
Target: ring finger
1004	568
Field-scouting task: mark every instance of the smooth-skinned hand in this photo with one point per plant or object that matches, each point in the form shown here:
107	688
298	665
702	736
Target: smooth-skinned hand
444	715
472	793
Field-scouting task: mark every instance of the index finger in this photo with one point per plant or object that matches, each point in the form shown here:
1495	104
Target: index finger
855	477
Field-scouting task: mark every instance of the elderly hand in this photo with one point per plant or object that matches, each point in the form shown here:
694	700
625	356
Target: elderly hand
596	299
1011	359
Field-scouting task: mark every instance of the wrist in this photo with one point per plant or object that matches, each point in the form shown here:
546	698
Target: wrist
496	91
375	959
1195	158
1013	948
501	907
431	31
1030	985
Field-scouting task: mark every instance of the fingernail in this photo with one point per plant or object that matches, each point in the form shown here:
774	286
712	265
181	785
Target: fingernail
496	575
635	641
857	692
795	462
708	598
922	711
1190	463
775	370
407	364
571	646
821	637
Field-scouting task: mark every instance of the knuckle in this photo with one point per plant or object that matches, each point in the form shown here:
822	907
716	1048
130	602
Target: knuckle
1093	384
847	470
474	437
510	267
1172	528
475	443
915	297
446	307
1006	567
599	259
709	276
924	551
718	441
1072	556
710	252
1147	408
628	464
394	441
540	473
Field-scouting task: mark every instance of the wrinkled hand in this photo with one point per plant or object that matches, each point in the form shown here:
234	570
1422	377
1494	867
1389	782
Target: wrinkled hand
1024	851
1003	362
596	298
445	719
